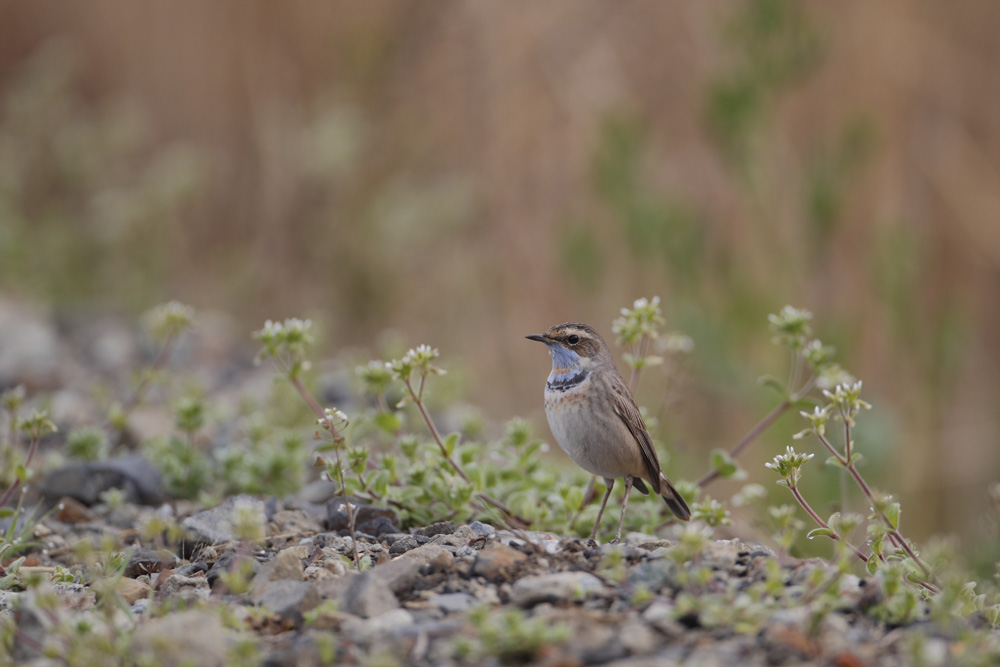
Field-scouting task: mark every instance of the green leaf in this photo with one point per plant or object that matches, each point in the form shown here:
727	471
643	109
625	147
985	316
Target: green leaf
388	422
451	442
725	465
773	383
805	403
872	564
820	532
574	498
892	514
6	512
834	461
20	472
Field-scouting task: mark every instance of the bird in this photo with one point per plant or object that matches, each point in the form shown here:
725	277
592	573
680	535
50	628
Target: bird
595	420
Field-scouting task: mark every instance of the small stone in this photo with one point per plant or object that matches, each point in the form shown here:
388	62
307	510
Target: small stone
454	603
654	575
429	553
363	594
184	588
655	545
378	526
337	517
286	564
460	537
497	561
482	529
215	526
660	615
70	510
403	544
555	587
387	623
131	590
399	574
288	599
439	528
141	481
148	561
638	638
294	522
192	637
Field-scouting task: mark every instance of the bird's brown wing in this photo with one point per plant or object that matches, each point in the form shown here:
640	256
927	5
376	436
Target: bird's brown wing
627	410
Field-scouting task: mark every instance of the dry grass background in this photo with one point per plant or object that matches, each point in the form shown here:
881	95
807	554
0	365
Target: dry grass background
469	172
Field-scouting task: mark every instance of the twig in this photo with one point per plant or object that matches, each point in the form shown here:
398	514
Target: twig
761	426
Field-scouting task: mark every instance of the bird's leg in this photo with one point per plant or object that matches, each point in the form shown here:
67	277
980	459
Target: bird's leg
610	483
621	521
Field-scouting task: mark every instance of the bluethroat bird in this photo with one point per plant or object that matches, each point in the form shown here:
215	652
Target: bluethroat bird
595	419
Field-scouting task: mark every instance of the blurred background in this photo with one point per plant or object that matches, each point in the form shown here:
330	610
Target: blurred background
465	173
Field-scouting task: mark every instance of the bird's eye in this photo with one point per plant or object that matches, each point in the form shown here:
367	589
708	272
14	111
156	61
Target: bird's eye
573	339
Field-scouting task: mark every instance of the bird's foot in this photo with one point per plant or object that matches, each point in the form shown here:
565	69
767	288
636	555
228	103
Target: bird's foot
592	543
615	540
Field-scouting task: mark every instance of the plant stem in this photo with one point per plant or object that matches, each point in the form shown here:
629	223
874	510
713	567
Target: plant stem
347	504
417	399
823	524
17	482
894	535
162	357
754	433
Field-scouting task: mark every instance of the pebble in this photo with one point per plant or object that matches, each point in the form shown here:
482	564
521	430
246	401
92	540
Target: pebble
497	561
194	637
215	526
454	603
555	587
131	590
389	622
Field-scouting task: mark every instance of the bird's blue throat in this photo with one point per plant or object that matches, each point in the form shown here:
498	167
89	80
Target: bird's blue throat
563	358
566	371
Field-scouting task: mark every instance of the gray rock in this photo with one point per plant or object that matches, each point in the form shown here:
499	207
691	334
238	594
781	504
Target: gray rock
288	599
285	566
660	615
403	544
227	561
215	526
555	587
148	561
138	478
192	637
294	521
366	630
429	553
439	528
365	595
654	575
399	574
365	517
454	603
497	561
183	588
482	529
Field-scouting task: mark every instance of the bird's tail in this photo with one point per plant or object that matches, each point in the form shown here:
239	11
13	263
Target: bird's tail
673	499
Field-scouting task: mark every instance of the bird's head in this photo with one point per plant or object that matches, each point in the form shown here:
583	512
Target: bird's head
574	346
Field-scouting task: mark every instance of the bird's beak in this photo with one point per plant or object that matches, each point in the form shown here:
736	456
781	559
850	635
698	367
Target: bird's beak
539	337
